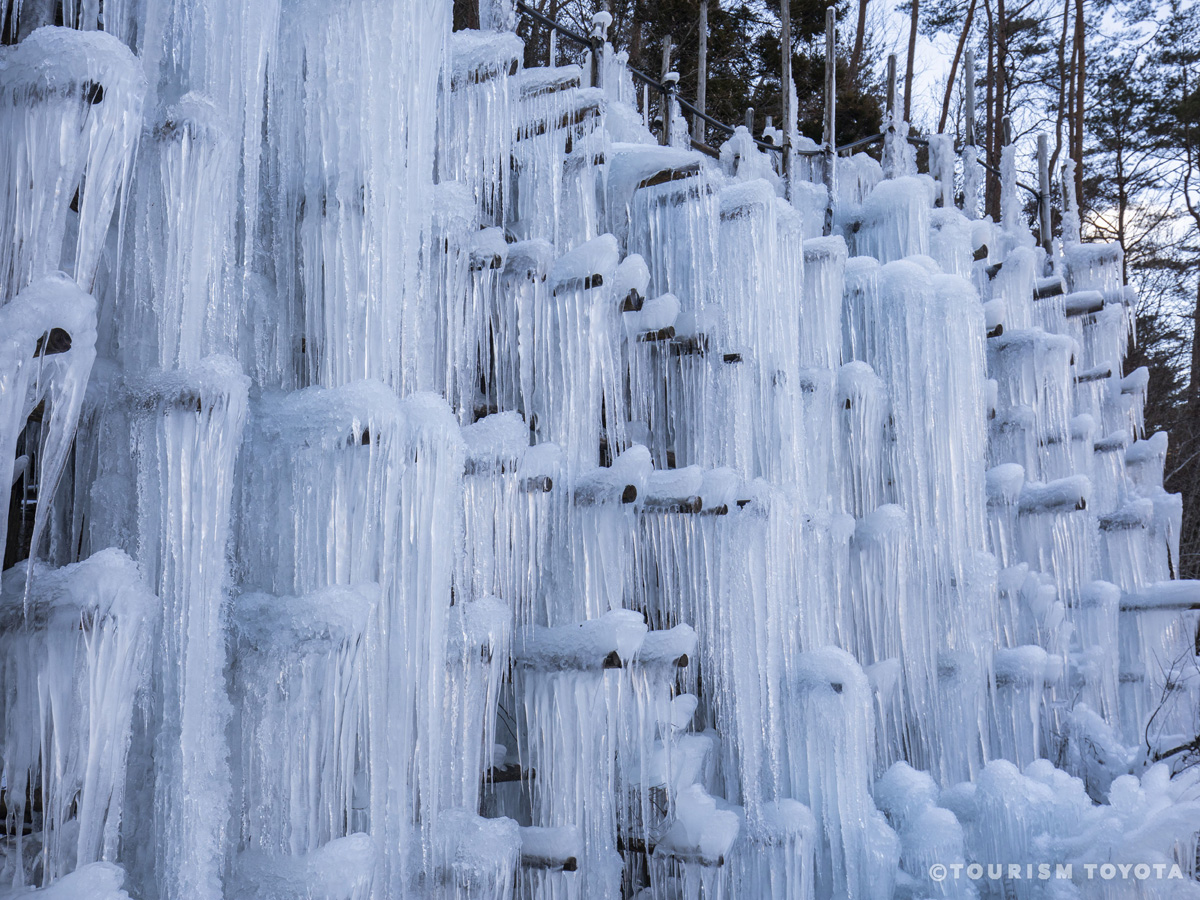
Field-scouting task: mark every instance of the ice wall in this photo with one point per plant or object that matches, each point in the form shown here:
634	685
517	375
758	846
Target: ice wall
434	487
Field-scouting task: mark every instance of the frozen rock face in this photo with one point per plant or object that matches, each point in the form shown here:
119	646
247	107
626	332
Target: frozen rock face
425	485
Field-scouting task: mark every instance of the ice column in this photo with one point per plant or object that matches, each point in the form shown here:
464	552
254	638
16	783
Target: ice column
71	105
299	685
73	656
188	427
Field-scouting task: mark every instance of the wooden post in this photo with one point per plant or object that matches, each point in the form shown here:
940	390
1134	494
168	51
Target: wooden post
665	111
785	77
830	113
969	100
1006	134
600	22
830	75
1043	159
891	88
786	84
701	72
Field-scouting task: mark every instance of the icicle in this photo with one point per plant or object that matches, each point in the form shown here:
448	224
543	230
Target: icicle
832	698
661	205
894	221
557	145
188	427
181	308
1071	227
476	663
298	681
351	128
71	106
570	354
941	167
972	180
475	857
475	130
72	661
46	355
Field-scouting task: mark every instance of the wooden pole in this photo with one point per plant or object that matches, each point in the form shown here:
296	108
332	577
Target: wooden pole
912	50
891	87
599	37
969	100
830	113
1043	160
830	75
701	71
665	111
785	80
831	78
786	83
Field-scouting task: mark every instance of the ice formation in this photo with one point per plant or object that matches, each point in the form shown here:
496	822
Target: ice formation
428	485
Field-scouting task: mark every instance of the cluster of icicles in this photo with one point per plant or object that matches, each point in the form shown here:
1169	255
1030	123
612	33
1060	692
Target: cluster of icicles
444	491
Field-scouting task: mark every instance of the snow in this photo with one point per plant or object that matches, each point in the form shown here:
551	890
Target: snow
584	646
339	870
93	881
550	845
702	832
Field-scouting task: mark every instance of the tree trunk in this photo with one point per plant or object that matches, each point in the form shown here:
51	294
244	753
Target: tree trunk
999	110
859	35
1194	373
1080	83
912	51
635	39
1062	87
962	40
991	124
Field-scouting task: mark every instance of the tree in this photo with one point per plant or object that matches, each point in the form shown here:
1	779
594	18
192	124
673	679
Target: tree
744	56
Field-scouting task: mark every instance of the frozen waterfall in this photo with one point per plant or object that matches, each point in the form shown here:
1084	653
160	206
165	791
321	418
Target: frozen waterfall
427	484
